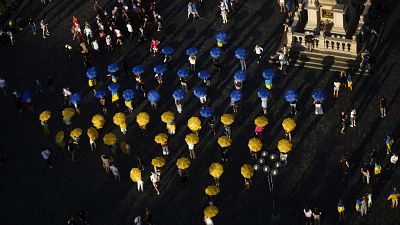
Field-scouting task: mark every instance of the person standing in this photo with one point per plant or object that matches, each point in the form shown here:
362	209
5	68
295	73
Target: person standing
3	85
382	106
318	108
389	143
394	197
106	161
317	216
343	119
44	25
155	179
32	25
46	156
192	61
344	161
308	215
341	209
192	154
393	161
364	207
148	216
365	173
114	170
258	50
377	172
336	88
140	185
130	30
353	115
224	15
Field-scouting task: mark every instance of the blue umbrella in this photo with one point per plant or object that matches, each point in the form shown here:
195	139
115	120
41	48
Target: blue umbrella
318	95
269	74
215	52
199	92
75	98
204	74
159	69
221	37
206	112
236	95
178	94
91	73
182	72
153	96
26	95
138	70
240	53
112	68
240	76
263	93
100	94
167	51
191	51
128	94
290	95
113	87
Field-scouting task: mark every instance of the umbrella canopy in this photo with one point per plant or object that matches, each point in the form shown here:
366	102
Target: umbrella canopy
182	72
76	133
128	94
161	138
236	95
68	112
75	98
110	139
167	51
183	163
135	174
192	139
59	138
26	95
247	171
194	124
204	74
290	95
142	118
227	119
153	95
119	118
224	141
215	52
212	190
178	94
289	124
45	115
263	93
240	76
216	170
284	145
112	68
269	74
92	133
98	121
191	51
261	121
255	144
240	53
158	162
206	112
113	87
167	117
221	37
91	73
199	92
318	95
159	68
138	70
210	211
100	94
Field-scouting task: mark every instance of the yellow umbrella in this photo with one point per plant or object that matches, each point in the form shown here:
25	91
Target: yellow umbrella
288	125
167	117
161	138
194	124
68	112
284	146
255	144
59	137
158	162
212	190
192	139
183	163
247	171
119	118
142	118
110	139
211	211
216	170
76	132
98	121
224	141
45	115
227	119
92	133
135	174
261	121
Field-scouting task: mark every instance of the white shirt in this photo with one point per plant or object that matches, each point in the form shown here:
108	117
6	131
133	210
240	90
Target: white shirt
95	45
191	146
353	113
192	60
66	92
154	177
118	33
258	50
114	170
308	213
394	159
208	221
2	83
129	27
45	154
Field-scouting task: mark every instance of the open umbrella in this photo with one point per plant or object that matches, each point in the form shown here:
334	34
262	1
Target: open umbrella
318	95
76	133
199	92
204	74
263	93
68	112
236	95
221	37
135	174
212	190
227	119
158	162
59	138
98	121
224	141
255	144
128	94
194	124
45	115
167	51
289	124
110	139
142	118
26	96
159	69
92	133
167	117
210	211
161	138
269	74
192	139
182	72
284	145
240	76
290	95
153	95
75	98
178	94
100	94
191	51
240	53
91	73
112	68
216	170
113	87
215	52
247	171
119	118
261	121
183	163
137	70
206	112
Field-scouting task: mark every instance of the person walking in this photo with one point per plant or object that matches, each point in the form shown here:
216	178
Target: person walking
192	61
308	215
369	199
394	197
382	107
389	143
318	107
377	172
317	216
224	15
364	207
46	156
44	25
353	115
365	173
192	154
344	161
106	161
341	209
3	86
32	25
114	170
336	88
258	50
155	179
140	185
343	119
393	161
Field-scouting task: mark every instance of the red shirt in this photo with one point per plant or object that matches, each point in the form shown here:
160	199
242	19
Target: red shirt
154	44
